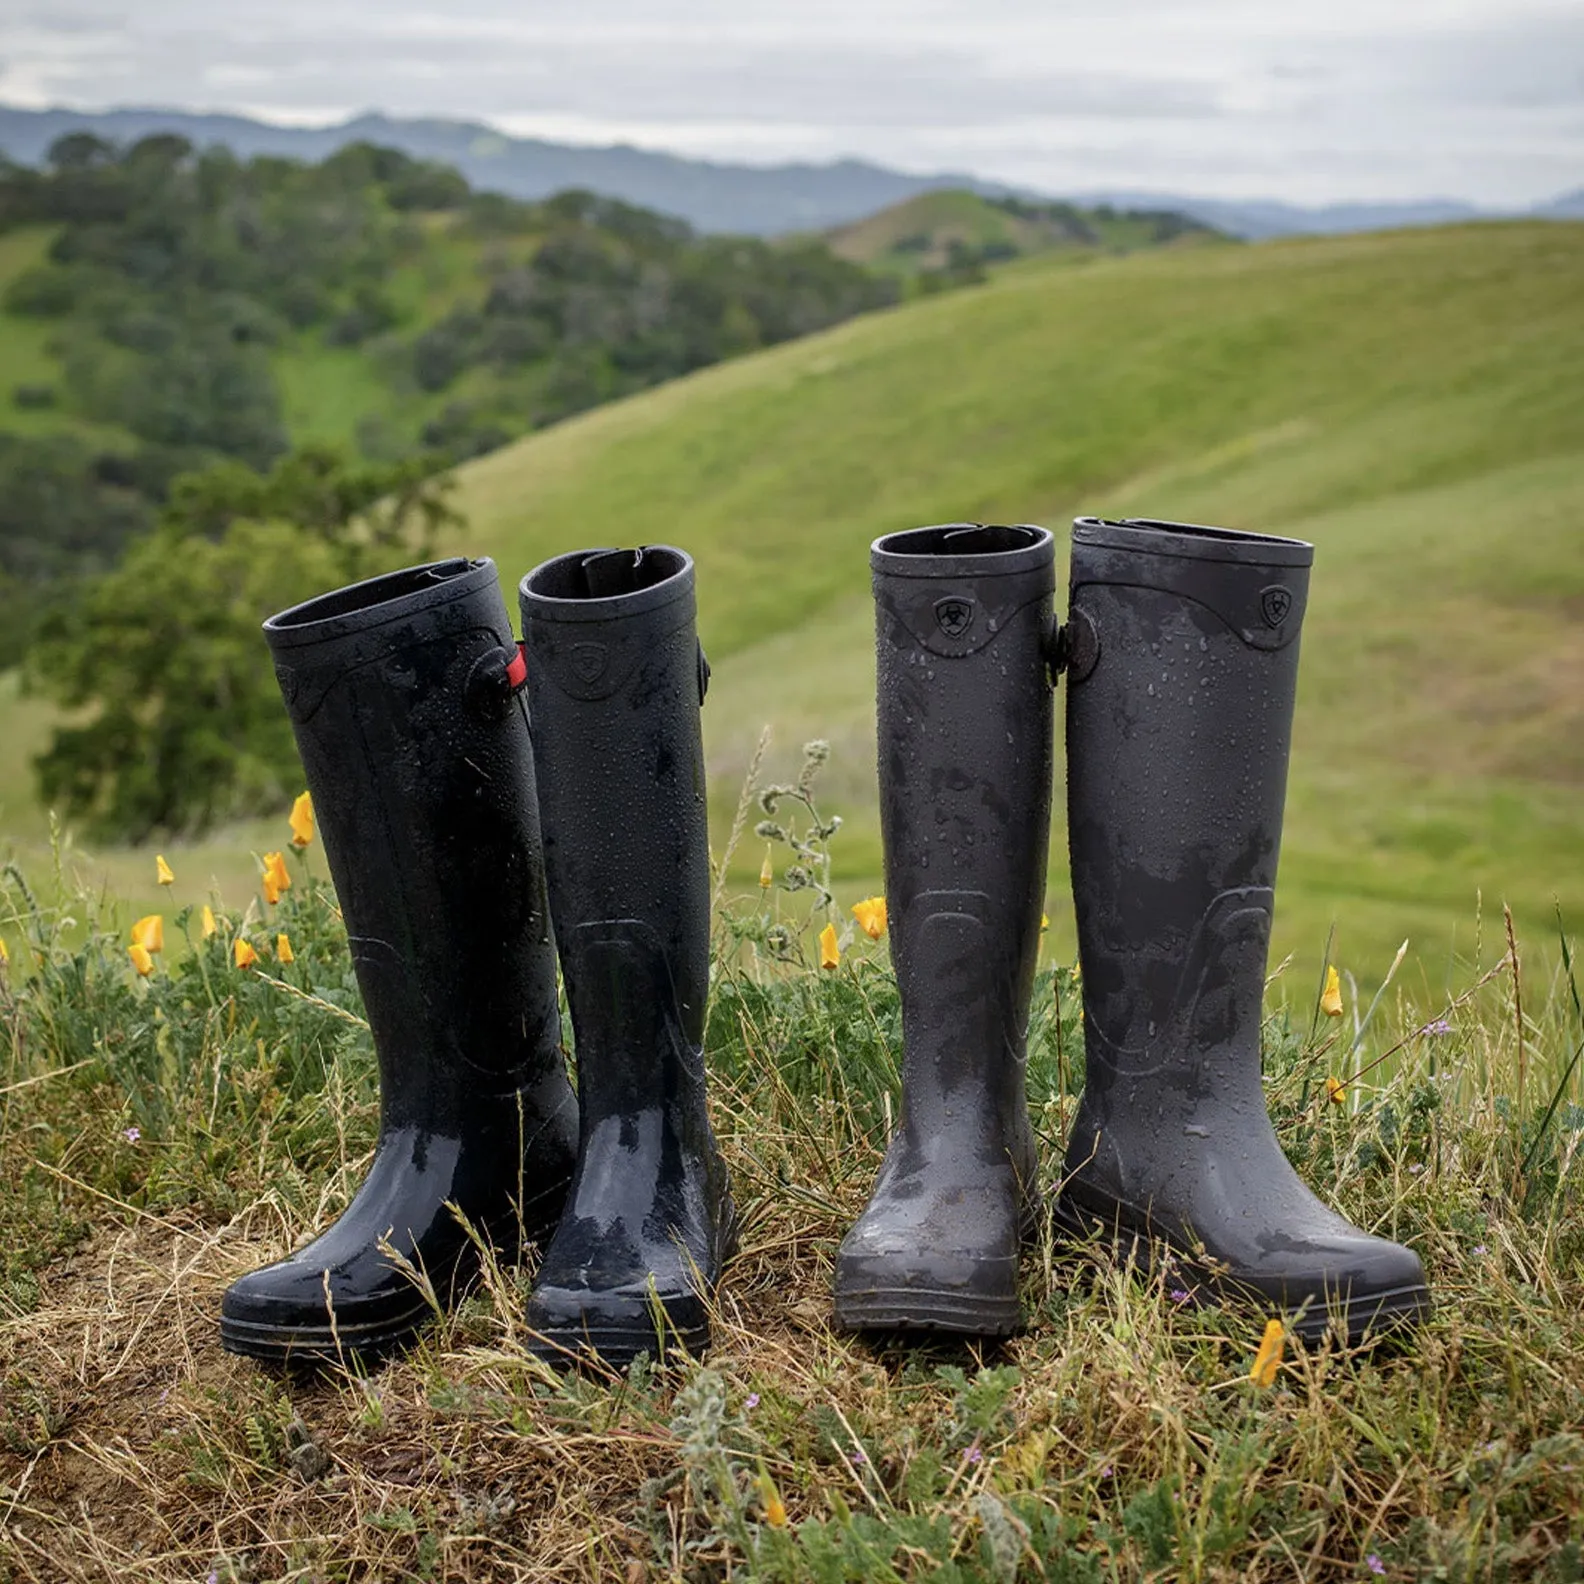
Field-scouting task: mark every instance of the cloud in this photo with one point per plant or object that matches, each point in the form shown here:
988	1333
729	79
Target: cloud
1309	99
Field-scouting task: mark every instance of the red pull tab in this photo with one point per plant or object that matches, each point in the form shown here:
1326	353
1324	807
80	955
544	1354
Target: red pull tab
517	669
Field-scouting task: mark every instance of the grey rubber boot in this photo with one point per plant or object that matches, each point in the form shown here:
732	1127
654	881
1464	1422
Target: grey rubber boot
963	636
1182	663
615	681
402	693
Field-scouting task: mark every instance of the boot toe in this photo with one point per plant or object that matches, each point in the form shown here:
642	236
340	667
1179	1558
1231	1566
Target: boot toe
575	1324
1351	1286
300	1312
898	1275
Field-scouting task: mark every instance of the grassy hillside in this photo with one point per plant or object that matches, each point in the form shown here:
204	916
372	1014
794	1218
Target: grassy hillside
960	230
1409	402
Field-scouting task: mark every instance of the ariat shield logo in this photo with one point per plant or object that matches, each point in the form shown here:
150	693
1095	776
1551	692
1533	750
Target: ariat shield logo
1276	604
954	615
589	661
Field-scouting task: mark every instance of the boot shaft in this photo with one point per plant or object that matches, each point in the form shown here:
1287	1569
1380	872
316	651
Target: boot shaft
615	682
1182	648
964	726
421	770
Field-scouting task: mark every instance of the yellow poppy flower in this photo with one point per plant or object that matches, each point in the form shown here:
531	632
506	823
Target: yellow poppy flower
1044	922
766	871
283	951
1331	996
871	916
302	820
206	922
770	1502
5	954
141	960
1267	1360
149	932
276	880
162	870
1336	1091
243	954
830	952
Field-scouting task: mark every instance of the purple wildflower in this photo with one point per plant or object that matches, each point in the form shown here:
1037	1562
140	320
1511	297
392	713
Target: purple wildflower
1440	1026
1374	1563
858	1456
972	1454
1479	1248
1178	1295
1105	1473
132	1134
751	1401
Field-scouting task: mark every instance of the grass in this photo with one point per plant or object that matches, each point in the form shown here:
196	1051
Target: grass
1408	401
26	355
160	1137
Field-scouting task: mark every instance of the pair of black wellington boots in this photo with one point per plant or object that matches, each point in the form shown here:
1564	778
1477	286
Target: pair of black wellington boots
470	791
1181	660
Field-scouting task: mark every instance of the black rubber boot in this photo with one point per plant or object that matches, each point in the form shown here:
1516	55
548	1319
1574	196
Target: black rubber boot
1182	663
401	692
615	681
963	630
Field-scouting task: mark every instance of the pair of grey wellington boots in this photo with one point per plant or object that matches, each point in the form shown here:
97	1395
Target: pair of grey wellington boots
1181	658
473	795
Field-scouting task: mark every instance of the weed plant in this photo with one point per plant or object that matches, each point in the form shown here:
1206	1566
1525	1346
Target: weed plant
161	1134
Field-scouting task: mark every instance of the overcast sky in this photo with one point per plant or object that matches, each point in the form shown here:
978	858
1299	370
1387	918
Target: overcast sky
1311	100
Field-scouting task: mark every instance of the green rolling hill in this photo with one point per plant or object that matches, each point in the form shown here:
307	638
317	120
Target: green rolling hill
1408	401
958	230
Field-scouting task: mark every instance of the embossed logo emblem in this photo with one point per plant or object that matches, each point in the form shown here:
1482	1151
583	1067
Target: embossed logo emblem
589	661
1276	604
954	615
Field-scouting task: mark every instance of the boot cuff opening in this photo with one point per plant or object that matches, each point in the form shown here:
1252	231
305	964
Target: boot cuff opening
598	584
955	550
378	600
1193	541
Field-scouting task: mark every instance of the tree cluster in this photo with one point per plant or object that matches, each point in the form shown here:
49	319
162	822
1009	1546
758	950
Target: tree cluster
178	280
176	718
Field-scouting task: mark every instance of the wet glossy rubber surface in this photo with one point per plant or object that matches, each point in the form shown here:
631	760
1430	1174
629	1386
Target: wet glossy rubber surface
1177	744
425	802
614	682
964	718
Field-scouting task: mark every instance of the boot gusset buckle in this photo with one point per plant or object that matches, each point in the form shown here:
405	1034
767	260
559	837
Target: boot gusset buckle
495	680
1076	646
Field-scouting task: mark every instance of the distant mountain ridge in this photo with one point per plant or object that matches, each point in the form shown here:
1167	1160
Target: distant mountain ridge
712	196
758	201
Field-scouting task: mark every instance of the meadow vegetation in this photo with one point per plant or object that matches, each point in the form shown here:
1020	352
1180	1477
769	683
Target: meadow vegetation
160	1135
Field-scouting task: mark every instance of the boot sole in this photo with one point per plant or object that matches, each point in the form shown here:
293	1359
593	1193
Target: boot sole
615	1347
1354	1318
315	1347
915	1309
